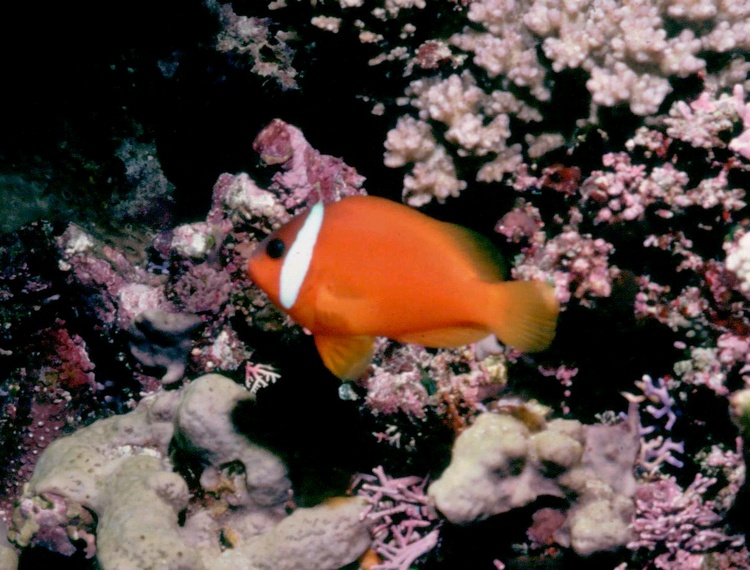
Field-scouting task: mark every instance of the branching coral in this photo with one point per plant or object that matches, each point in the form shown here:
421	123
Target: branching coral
480	75
679	521
405	526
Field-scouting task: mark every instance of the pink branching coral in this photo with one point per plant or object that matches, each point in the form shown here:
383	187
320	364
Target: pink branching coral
577	264
681	522
626	193
702	122
413	380
258	376
405	525
479	75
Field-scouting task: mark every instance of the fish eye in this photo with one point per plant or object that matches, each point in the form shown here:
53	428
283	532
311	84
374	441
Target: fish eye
275	248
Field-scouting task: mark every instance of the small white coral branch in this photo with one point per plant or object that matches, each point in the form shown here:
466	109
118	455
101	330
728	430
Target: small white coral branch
259	376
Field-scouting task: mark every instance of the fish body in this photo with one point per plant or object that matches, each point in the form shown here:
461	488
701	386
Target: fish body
365	267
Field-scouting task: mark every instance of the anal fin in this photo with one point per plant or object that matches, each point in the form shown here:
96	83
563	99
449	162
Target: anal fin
346	356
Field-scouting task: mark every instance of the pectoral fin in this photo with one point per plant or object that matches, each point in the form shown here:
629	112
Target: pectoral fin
346	356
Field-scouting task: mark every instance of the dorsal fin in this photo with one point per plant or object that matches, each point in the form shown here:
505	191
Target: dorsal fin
482	253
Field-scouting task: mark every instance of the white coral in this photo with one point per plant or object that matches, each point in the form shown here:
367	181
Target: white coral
738	261
629	51
433	178
410	141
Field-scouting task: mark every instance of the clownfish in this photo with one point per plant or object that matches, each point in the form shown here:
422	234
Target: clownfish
364	267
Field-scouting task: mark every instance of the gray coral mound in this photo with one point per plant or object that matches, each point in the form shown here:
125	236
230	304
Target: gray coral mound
500	463
112	485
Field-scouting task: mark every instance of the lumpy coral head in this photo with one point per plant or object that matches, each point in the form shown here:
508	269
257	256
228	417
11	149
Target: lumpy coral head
365	267
490	471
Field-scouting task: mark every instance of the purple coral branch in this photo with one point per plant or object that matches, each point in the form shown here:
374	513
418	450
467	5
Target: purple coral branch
664	400
678	520
657	451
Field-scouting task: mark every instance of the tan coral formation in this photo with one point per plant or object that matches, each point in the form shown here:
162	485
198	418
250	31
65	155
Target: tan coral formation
119	470
502	462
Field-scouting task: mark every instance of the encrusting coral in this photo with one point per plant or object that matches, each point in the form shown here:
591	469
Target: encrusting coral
118	471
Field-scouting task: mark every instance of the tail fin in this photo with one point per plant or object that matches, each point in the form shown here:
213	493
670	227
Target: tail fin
525	314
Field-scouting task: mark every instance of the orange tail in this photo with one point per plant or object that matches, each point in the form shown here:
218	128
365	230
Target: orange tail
524	314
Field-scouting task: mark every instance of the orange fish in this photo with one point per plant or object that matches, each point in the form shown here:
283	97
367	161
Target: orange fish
365	267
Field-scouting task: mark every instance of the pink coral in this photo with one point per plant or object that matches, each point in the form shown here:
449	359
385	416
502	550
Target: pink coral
681	522
702	121
734	352
69	360
403	391
203	289
406	526
522	222
411	380
738	260
576	263
308	176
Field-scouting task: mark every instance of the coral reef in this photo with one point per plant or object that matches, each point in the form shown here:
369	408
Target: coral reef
107	488
503	59
232	509
679	521
601	145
